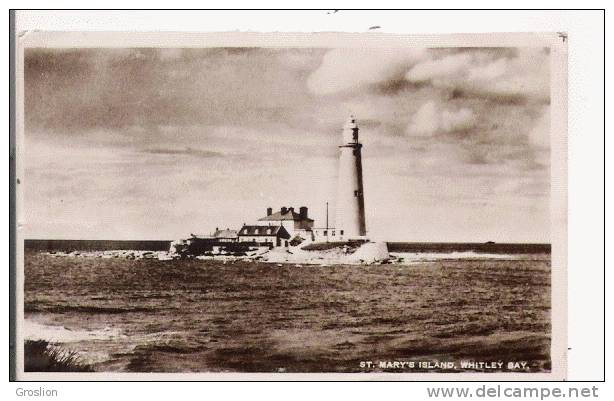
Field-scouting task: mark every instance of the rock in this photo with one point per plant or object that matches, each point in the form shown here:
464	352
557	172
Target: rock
179	246
370	252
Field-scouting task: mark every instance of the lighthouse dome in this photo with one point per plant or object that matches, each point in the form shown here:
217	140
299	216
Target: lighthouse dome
351	122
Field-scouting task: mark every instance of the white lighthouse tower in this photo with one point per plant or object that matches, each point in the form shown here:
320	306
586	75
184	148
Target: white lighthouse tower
350	218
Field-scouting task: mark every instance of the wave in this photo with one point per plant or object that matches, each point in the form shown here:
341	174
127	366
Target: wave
60	334
417	257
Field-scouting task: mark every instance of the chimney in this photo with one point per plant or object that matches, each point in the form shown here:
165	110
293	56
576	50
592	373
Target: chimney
303	212
284	210
269	211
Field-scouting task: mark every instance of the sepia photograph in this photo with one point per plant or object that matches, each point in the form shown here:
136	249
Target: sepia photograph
372	205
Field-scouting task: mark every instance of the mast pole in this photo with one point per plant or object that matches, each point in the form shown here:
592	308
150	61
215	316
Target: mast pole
326	221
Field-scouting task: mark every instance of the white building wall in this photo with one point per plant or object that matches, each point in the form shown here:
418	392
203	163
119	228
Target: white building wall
262	239
328	235
258	238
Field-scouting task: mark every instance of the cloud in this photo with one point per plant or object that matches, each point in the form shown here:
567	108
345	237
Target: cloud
346	69
170	54
79	89
442	68
524	72
433	118
155	143
539	136
183	151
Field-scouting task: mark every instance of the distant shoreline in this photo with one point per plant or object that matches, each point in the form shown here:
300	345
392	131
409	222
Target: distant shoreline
163	245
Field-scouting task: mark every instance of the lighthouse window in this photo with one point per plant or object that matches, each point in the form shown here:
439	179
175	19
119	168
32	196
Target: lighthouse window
341	232
325	232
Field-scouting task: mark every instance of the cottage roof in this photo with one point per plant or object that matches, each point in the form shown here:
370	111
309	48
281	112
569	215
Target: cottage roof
278	231
225	233
289	215
200	236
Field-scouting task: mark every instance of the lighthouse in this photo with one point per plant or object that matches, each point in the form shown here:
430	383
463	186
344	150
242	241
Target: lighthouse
350	195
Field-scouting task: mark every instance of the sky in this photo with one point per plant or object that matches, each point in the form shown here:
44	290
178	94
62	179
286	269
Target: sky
160	143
